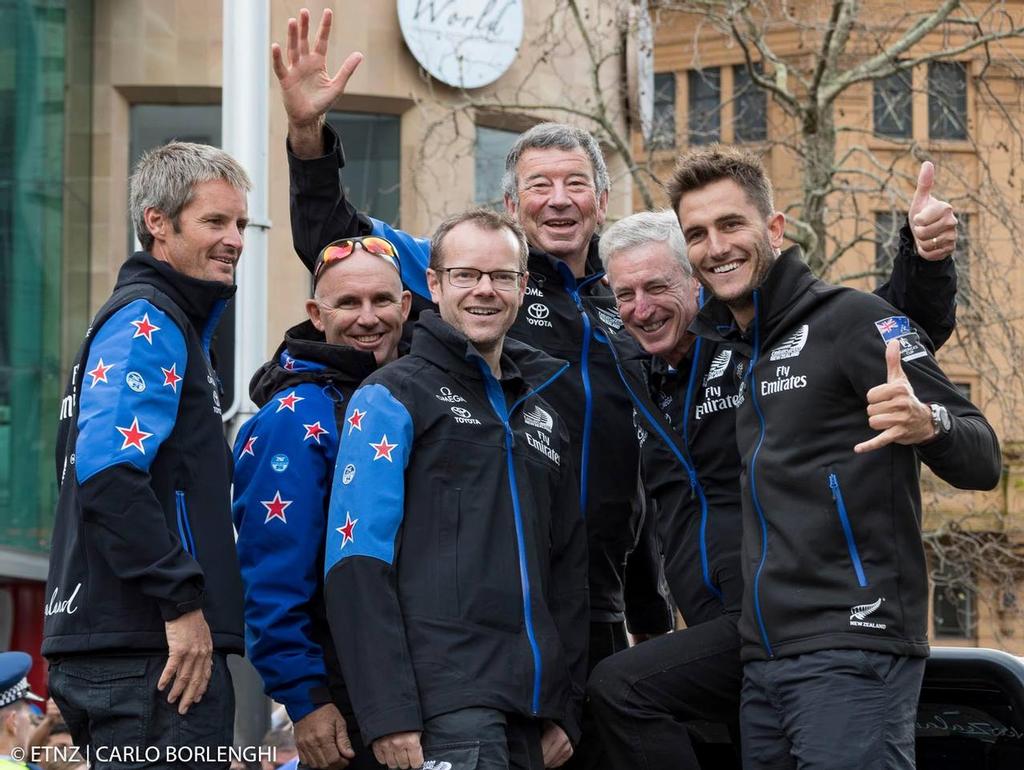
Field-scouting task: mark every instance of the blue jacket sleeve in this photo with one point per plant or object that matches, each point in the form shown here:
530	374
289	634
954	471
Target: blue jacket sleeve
128	407
283	465
363	529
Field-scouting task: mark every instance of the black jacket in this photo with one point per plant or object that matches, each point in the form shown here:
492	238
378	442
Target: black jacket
287	454
691	478
456	553
143	527
832	551
559	316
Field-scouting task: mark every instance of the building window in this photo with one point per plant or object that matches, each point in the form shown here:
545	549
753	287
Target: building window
952	603
492	146
964	388
45	146
750	106
705	87
947	100
373	159
887	242
663	122
891	100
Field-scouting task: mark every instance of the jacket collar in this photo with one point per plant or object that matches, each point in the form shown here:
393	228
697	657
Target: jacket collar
783	287
306	356
199	300
544	266
444	346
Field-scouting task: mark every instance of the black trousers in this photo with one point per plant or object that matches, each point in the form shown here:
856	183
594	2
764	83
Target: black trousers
831	710
606	639
642	696
112	707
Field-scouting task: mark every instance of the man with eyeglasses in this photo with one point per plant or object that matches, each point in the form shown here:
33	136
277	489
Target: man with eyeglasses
284	464
456	584
556	186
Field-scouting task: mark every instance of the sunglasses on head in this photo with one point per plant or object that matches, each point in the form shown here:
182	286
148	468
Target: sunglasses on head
371	244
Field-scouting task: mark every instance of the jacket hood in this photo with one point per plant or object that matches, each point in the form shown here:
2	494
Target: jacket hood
199	299
306	356
443	345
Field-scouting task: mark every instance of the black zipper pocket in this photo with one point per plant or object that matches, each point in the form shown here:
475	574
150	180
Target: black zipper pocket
844	520
184	528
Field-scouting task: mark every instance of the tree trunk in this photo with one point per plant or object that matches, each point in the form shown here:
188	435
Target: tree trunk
819	137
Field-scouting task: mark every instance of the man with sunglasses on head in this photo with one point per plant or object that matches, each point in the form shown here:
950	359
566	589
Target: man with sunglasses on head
556	186
456	585
284	465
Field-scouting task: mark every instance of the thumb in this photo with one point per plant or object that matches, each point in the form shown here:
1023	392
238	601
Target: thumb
893	364
925	181
342	741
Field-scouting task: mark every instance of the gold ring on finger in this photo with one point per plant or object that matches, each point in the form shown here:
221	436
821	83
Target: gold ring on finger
935	241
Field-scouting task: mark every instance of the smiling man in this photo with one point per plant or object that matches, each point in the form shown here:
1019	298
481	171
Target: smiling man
144	585
456	584
556	186
839	399
685	397
284	466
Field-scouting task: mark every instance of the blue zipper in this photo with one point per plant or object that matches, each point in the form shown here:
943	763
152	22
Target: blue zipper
573	288
684	460
753	476
184	529
497	398
851	544
695	483
211	323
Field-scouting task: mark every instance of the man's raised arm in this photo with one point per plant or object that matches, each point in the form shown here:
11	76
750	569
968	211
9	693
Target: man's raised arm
319	210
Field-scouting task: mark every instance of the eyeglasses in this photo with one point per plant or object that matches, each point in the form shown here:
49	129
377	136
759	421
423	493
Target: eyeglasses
371	244
468	277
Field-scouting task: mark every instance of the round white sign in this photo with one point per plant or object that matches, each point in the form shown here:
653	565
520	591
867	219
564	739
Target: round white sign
464	43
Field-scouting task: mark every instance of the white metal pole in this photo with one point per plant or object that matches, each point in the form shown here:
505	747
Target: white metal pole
246	73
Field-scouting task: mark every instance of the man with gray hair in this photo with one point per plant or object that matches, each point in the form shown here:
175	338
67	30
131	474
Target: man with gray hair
145	596
556	187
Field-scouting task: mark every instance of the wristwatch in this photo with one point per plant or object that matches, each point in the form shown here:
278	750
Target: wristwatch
941	424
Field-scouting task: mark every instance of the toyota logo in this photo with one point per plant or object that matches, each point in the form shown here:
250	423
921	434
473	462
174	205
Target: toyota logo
465	414
538	311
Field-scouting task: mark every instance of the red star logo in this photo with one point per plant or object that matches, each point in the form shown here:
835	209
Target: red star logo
171	377
383	449
133	436
289	363
143	328
355	421
247	449
276	507
289	401
99	374
348	530
314	431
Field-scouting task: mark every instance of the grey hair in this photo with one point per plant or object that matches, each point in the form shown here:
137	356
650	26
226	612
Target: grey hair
165	179
645	227
560	136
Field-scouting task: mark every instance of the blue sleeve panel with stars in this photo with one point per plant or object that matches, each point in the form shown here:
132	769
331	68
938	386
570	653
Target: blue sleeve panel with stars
128	406
128	402
284	457
366	512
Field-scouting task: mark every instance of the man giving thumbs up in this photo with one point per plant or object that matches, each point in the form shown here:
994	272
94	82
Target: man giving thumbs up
840	401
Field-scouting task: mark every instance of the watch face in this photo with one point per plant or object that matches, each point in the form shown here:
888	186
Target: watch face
944	420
